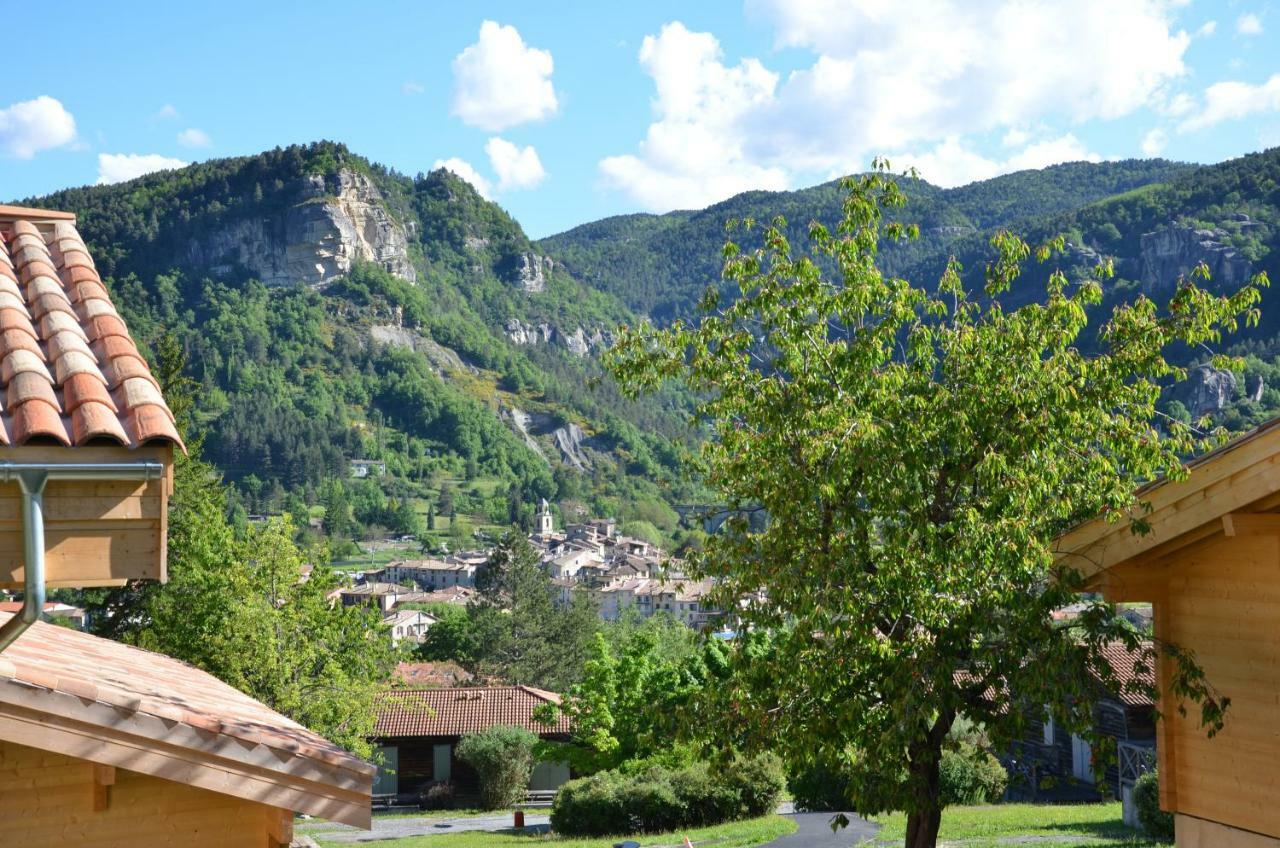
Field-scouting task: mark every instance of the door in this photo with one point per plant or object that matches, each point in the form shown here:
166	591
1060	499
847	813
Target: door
442	763
387	781
1081	759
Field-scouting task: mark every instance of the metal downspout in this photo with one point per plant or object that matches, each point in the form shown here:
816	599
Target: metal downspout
31	478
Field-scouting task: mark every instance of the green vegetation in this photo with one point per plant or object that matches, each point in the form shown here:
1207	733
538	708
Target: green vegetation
1096	825
739	834
293	384
503	759
917	449
1146	798
660	799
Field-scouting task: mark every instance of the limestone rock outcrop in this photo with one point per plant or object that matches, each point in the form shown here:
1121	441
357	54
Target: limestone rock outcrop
1173	251
1207	390
334	222
579	341
531	274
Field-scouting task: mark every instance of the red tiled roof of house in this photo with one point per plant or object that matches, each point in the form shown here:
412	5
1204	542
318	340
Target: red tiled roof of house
455	712
69	371
432	674
1121	662
133	681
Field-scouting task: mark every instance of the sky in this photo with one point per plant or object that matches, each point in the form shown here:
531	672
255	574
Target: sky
568	112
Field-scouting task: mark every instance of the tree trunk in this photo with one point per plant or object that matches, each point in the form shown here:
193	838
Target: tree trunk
922	828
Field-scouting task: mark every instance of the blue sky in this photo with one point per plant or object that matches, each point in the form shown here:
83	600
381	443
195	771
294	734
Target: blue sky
568	112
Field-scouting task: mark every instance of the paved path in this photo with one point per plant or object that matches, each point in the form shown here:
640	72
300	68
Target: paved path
398	827
814	831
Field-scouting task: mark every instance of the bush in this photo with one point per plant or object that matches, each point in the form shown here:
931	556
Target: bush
503	758
819	787
436	796
662	799
1146	799
970	775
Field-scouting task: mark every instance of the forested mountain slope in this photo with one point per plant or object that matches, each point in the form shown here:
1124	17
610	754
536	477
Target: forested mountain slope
660	264
1156	220
333	310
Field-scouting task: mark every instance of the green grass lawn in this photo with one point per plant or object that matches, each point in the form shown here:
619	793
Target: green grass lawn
741	834
1053	826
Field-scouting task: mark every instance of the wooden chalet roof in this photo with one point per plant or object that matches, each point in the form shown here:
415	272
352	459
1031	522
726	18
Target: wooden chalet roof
70	373
456	712
109	703
1241	476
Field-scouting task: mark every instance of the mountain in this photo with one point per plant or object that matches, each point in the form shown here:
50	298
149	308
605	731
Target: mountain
1156	220
661	264
333	310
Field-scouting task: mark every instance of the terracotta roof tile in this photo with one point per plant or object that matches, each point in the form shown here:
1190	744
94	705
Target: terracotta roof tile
58	327
134	681
455	712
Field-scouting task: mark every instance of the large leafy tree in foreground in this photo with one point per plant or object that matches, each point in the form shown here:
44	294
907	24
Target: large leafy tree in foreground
916	450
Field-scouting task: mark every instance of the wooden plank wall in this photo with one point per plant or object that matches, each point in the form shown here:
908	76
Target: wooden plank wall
97	533
50	799
1223	603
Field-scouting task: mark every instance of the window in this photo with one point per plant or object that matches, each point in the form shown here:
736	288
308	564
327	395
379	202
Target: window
1048	726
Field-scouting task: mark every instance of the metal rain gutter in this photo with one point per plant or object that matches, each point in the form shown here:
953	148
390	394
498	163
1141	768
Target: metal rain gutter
31	478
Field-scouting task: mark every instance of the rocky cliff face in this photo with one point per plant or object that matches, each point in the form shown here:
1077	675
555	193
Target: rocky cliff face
579	341
335	222
1207	390
531	275
1173	251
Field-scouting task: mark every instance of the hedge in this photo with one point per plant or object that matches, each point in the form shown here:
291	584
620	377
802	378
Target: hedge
1146	799
662	799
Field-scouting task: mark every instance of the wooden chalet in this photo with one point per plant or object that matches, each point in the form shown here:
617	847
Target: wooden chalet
102	744
1210	567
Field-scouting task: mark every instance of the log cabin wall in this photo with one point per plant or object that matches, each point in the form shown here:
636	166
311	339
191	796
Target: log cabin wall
1223	603
48	799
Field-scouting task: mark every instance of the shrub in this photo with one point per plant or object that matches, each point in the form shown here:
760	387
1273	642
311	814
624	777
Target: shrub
970	775
661	799
436	796
819	787
758	782
503	758
1146	799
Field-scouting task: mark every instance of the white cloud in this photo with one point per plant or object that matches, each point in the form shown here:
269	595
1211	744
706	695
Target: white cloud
192	137
1207	29
411	87
500	81
1249	24
881	81
515	166
168	112
1015	137
462	168
1154	141
120	167
951	163
28	127
694	153
1231	100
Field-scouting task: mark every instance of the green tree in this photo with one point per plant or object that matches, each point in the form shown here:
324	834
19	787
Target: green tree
524	637
246	618
917	450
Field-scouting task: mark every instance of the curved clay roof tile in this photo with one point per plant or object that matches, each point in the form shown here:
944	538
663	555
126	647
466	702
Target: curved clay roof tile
117	371
92	420
61	322
28	385
25	228
12	340
64	341
138	392
85	388
36	418
12	318
74	258
74	362
107	326
147	423
48	302
80	274
22	361
9	300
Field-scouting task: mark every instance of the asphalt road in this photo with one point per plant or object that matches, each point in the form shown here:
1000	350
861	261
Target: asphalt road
814	831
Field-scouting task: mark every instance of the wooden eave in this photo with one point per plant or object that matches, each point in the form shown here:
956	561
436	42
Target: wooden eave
104	734
1242	476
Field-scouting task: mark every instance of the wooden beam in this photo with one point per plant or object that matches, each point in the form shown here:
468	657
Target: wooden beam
104	777
1251	524
279	827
